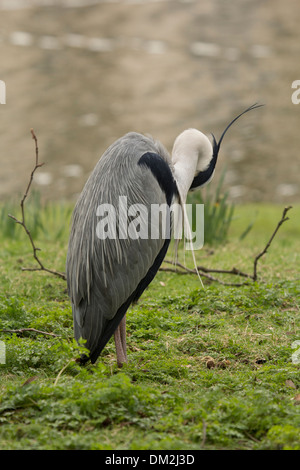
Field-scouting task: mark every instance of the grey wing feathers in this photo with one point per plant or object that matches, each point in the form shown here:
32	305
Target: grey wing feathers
103	274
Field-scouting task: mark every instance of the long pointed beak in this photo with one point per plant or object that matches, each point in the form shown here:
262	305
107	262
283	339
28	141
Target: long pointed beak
205	176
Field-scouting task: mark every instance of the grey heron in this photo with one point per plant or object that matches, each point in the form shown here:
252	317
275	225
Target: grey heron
106	274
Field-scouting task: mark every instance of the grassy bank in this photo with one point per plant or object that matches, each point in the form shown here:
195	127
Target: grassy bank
208	368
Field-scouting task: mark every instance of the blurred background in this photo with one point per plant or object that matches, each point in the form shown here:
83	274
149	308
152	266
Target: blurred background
83	73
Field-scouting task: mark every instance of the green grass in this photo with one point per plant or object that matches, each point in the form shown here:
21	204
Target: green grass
208	368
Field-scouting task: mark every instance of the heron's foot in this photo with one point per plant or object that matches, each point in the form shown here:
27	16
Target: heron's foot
121	355
83	359
120	363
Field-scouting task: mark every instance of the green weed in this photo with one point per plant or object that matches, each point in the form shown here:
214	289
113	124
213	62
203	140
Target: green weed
44	220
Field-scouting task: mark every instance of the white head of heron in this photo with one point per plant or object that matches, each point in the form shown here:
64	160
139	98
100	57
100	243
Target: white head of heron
192	153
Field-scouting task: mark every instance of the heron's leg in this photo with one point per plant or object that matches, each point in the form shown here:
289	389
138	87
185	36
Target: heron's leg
122	327
120	342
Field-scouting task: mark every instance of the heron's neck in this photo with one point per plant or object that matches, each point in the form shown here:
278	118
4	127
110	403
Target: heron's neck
184	172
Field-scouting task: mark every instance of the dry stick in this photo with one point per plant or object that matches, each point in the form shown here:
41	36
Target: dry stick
204	272
23	221
207	276
62	370
22	330
264	251
204	426
234	271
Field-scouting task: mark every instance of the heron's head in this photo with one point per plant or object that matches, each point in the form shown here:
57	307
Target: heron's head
206	166
192	149
194	157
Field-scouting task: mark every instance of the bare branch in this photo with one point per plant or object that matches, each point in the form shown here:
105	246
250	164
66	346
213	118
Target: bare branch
264	251
233	271
204	426
181	269
22	222
185	270
23	330
203	269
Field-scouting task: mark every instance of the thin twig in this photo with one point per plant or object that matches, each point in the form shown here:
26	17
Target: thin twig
251	437
204	426
22	222
234	271
203	269
264	251
204	272
207	276
23	330
62	370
